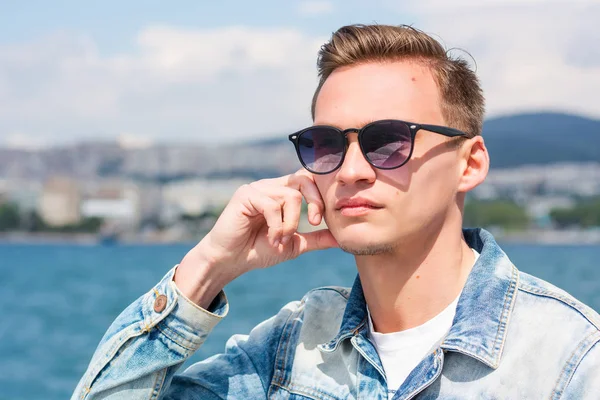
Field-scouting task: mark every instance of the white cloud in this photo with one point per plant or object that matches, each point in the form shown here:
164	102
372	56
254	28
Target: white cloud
133	141
433	6
234	82
18	140
314	7
530	54
208	85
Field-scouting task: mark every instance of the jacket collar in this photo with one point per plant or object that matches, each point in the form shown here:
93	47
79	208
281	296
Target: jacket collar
480	325
483	312
354	320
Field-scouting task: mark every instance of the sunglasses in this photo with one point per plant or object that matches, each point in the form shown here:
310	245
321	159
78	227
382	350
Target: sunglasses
386	144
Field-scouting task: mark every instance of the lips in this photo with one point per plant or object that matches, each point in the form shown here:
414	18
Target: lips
356	203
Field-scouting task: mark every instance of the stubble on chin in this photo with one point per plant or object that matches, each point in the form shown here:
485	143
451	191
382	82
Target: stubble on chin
368	250
371	249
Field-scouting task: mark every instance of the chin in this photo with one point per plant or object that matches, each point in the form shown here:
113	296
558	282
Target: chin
371	249
359	241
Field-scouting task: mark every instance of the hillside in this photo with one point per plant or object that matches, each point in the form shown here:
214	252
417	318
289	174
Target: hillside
522	139
541	138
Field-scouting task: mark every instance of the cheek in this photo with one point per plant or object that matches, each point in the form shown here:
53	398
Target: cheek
421	184
398	179
436	182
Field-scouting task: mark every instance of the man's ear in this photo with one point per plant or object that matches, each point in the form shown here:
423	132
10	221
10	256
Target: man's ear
475	164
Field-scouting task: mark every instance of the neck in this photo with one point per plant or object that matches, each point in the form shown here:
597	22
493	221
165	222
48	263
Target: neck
418	280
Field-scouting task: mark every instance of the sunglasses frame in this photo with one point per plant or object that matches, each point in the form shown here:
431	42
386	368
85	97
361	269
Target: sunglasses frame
413	128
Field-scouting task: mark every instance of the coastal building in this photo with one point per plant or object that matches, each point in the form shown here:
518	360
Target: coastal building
114	203
60	201
539	208
196	196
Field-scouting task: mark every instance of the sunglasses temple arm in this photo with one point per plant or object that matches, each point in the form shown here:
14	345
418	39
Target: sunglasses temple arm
443	130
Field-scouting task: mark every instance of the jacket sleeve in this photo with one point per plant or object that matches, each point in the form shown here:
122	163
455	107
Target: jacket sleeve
144	347
585	381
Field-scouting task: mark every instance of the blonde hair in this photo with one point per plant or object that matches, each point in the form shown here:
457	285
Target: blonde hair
463	104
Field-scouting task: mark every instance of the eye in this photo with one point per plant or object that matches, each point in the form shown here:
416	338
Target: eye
327	141
306	142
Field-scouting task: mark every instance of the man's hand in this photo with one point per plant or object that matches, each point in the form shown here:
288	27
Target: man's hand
257	229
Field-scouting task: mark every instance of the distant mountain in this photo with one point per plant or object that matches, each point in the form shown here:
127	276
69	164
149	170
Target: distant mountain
541	138
522	139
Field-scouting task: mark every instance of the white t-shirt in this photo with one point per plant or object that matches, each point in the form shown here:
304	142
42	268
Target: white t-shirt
400	352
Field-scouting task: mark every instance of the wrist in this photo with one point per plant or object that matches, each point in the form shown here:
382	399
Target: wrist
199	277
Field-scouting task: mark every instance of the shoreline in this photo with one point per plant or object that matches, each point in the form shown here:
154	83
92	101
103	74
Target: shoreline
551	237
537	237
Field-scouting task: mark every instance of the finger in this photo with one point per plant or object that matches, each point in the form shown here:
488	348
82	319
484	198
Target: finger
301	181
292	208
271	210
306	185
317	240
290	201
315	215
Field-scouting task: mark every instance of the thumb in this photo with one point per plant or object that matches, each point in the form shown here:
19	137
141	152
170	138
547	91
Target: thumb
316	240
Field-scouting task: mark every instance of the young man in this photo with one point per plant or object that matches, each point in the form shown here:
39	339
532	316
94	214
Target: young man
435	312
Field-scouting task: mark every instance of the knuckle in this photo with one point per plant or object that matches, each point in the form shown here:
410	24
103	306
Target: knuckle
261	183
294	196
254	184
274	207
316	202
245	188
300	173
290	228
264	185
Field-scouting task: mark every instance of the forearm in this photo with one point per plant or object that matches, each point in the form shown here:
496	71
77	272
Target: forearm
147	343
200	277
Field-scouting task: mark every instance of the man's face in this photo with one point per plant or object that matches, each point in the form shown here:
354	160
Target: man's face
411	201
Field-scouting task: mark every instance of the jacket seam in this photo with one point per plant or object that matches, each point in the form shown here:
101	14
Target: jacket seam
439	357
568	302
120	339
169	332
360	326
173	340
559	391
277	357
500	338
505	319
158	385
469	351
362	353
287	342
328	289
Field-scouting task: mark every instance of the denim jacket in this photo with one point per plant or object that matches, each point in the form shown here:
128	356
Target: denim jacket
514	336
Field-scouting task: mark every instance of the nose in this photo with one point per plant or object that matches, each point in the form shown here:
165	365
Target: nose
355	167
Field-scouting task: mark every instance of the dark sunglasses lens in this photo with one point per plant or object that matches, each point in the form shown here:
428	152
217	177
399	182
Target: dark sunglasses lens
387	144
321	149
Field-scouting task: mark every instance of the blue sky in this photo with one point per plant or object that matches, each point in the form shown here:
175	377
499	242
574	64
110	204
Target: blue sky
110	22
209	71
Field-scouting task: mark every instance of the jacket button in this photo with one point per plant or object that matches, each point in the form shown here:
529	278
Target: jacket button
160	303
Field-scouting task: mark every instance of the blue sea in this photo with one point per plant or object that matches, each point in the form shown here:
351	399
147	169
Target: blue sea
58	300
